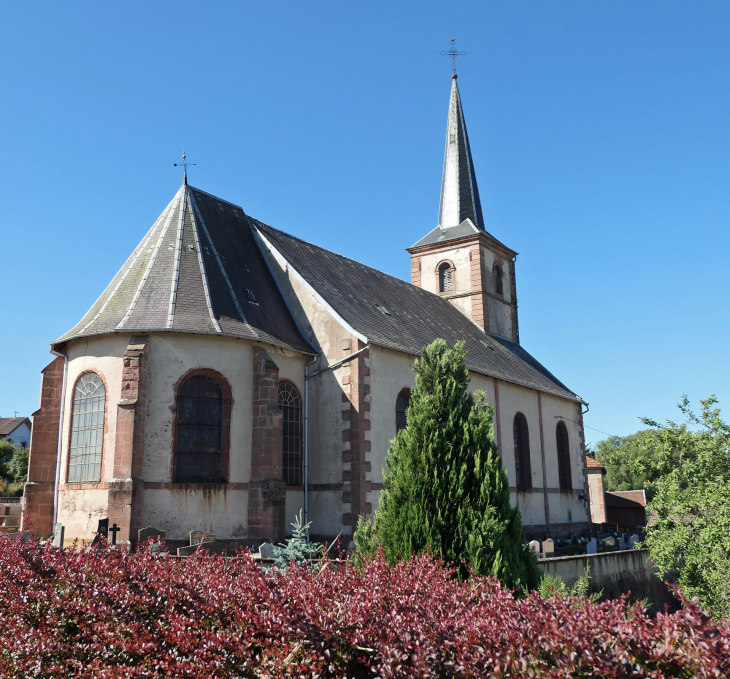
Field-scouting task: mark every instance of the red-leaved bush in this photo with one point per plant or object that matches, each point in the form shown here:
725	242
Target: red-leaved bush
115	614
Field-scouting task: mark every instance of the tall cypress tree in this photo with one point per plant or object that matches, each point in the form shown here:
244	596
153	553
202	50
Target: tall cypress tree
445	490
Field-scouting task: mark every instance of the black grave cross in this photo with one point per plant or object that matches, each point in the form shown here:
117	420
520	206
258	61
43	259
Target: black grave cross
114	530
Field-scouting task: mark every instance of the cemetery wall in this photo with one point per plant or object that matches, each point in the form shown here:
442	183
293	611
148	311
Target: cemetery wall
615	573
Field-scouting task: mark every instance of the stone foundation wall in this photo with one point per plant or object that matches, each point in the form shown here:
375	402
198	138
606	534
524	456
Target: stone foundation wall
616	573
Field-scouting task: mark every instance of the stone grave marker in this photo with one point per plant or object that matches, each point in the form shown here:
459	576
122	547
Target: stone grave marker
26	536
548	548
213	549
534	547
198	536
592	546
633	541
268	551
609	544
622	542
144	534
58	532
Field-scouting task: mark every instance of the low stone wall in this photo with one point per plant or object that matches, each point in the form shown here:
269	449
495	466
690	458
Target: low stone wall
616	573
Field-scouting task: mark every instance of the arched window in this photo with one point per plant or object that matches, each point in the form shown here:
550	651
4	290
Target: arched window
498	289
199	438
446	279
523	473
290	403
561	434
401	406
87	429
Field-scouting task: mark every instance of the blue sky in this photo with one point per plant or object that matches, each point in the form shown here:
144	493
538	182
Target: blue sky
599	133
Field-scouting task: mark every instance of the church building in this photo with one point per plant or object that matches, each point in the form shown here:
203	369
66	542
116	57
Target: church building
232	375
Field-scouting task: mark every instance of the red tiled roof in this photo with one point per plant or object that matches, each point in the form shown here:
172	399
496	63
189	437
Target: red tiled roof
593	464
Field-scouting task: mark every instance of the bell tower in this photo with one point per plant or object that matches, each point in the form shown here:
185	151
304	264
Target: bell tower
459	260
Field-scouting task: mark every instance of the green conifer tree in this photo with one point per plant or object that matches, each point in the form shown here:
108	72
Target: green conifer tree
444	489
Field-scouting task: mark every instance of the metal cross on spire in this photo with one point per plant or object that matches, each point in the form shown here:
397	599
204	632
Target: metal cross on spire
453	53
186	165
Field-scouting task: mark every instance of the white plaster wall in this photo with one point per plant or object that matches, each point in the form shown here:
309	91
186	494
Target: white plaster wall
82	505
171	356
223	513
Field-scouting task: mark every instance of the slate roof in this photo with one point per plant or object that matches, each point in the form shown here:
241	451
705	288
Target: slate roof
459	191
194	272
442	235
9	424
414	318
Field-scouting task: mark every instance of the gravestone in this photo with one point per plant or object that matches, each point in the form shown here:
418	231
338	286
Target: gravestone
58	535
633	541
609	544
534	547
268	551
26	536
144	534
213	549
198	536
622	542
548	548
592	546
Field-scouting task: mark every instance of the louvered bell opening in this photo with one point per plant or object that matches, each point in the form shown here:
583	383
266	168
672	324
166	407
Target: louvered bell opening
446	279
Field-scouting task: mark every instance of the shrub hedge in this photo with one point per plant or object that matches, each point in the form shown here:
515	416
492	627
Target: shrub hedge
113	614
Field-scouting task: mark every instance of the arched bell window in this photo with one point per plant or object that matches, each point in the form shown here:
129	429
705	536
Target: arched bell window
401	407
290	403
199	439
498	274
87	429
561	435
523	473
446	278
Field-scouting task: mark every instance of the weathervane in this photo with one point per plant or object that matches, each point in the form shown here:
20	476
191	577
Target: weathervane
186	165
453	53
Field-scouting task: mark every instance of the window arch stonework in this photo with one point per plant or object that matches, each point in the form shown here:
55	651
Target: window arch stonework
561	436
523	471
290	402
201	441
446	277
88	426
401	406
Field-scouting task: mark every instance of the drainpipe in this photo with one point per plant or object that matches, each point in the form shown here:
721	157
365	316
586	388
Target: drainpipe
60	438
306	440
308	377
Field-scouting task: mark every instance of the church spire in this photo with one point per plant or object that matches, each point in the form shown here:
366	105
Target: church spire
459	192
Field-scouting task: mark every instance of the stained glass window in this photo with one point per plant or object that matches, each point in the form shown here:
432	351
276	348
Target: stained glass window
401	406
561	434
87	430
199	431
523	472
291	404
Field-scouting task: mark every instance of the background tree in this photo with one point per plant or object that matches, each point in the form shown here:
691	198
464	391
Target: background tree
690	527
444	489
630	461
13	468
